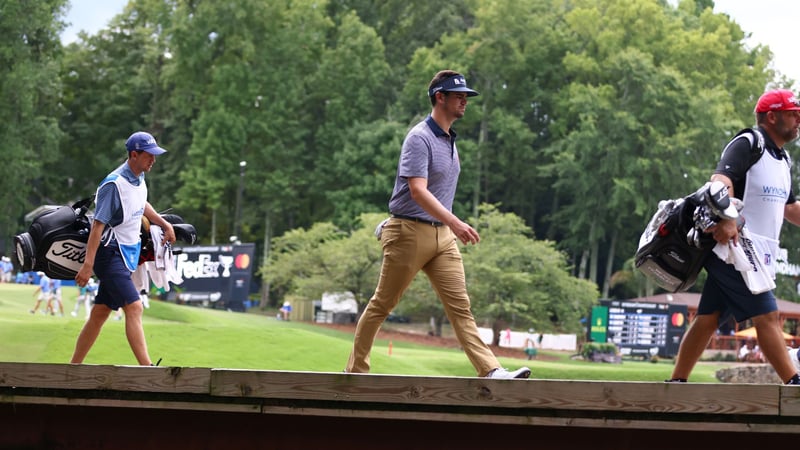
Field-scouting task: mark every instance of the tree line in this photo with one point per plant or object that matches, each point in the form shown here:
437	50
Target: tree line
590	112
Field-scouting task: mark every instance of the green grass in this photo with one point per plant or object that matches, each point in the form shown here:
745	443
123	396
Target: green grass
195	337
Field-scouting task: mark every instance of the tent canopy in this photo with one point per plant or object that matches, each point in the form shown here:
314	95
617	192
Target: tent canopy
751	333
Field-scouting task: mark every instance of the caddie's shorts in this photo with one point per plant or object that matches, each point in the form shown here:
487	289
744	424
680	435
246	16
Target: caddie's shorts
725	291
116	288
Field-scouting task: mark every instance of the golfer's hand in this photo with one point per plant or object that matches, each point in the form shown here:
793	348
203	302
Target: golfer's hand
465	233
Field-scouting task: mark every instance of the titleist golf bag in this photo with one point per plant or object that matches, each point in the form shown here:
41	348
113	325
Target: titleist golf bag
55	242
674	246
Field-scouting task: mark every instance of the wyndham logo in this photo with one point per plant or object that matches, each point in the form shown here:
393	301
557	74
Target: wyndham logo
774	191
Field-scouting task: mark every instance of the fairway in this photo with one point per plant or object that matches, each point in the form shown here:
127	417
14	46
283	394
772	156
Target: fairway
188	336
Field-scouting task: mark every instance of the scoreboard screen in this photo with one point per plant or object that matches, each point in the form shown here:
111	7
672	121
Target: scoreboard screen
639	329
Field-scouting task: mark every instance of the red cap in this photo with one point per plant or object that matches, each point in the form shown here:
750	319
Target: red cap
777	100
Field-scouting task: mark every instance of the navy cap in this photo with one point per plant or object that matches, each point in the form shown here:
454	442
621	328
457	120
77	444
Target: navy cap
456	83
143	142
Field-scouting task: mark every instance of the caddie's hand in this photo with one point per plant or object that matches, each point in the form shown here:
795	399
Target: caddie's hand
725	231
169	233
83	275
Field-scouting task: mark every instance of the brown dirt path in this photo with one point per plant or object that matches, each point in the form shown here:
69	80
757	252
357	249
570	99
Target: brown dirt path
393	334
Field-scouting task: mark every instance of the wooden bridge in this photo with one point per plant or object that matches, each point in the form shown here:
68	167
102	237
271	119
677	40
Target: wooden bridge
44	406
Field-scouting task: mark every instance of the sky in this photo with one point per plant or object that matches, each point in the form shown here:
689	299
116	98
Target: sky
771	23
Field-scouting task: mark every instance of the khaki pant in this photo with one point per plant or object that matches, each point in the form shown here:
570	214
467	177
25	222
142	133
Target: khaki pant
409	247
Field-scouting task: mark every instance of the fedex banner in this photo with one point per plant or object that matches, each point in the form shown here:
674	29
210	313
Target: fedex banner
215	273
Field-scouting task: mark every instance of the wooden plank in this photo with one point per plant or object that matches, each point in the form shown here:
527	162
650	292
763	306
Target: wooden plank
565	420
466	392
478	401
790	401
187	405
119	378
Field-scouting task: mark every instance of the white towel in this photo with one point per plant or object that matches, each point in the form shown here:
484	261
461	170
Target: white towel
157	235
748	261
162	269
140	279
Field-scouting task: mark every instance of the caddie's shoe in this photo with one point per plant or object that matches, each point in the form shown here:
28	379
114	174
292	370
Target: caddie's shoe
675	380
503	374
793	355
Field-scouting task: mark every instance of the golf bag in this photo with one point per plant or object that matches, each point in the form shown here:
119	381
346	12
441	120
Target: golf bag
674	245
183	232
55	242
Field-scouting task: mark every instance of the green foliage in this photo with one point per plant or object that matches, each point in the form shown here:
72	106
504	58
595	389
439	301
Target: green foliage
325	259
512	276
590	348
30	89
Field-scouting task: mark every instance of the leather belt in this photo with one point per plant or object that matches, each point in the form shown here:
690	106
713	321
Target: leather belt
417	219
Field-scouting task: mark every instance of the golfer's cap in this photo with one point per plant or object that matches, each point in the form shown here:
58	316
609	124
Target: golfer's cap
456	83
777	100
143	142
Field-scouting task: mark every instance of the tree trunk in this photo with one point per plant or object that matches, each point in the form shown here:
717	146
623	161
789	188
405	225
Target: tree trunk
582	266
482	137
594	254
214	226
609	261
264	301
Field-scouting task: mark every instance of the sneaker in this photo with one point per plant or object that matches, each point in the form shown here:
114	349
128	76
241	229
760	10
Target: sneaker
793	355
74	314
503	374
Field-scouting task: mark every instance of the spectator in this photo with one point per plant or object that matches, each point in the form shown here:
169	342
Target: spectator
531	345
286	310
750	352
55	298
43	291
86	297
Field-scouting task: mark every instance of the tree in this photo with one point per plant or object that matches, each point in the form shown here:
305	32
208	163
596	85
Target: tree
365	169
357	146
29	92
323	259
639	101
113	88
517	280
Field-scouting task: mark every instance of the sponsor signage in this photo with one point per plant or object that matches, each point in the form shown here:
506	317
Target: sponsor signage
215	273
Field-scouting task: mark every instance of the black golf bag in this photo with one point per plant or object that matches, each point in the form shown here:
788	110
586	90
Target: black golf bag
674	246
183	232
55	242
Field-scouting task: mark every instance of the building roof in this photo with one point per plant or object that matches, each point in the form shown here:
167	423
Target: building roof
691	300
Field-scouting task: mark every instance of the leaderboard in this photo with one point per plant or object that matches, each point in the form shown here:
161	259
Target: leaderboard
638	324
639	328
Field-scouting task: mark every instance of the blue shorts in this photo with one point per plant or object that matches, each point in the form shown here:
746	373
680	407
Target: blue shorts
725	291
116	287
